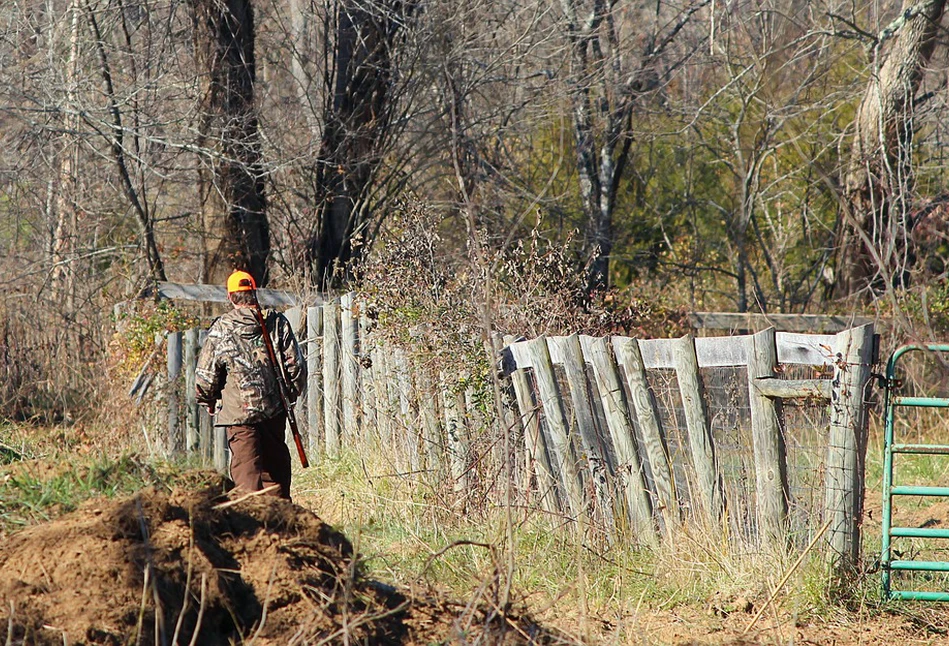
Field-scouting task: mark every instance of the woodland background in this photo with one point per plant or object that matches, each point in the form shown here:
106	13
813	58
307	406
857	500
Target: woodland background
590	165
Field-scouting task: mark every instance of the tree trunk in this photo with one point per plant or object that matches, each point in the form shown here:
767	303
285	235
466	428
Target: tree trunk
356	120
873	250
603	91
64	218
234	203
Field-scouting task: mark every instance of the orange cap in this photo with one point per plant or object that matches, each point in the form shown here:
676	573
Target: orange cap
240	281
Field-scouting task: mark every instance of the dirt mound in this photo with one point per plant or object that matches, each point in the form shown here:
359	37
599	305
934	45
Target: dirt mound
197	567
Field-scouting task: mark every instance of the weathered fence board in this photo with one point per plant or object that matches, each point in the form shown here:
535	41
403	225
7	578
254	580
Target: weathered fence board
349	383
431	445
331	380
538	463
192	410
771	479
786	322
175	441
644	405
205	429
600	469
454	434
218	294
314	386
557	424
628	466
699	431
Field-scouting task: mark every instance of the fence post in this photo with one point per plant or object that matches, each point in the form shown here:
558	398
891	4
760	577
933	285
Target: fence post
367	398
771	476
205	430
192	410
558	426
314	384
428	411
174	369
220	448
331	386
630	358
349	369
696	420
382	404
411	430
455	434
538	454
844	478
628	468
597	457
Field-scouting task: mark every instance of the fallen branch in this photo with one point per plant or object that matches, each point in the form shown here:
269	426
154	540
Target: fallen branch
231	503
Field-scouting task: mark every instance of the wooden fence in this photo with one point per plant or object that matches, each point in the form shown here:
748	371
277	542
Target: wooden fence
593	442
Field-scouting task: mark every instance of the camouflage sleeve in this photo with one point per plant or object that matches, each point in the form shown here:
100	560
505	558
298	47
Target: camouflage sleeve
209	373
294	365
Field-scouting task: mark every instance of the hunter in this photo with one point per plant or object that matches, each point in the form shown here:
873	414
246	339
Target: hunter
235	369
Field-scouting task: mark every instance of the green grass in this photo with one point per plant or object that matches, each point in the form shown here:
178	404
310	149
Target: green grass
410	533
31	495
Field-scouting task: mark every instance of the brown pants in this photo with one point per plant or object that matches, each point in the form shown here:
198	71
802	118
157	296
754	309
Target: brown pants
259	456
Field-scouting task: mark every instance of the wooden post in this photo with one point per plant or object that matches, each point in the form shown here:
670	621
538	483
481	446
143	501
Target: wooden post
597	458
205	429
380	387
428	410
700	435
844	477
192	439
558	426
220	449
455	435
349	372
630	358
539	461
314	379
331	385
175	441
771	477
410	427
628	466
294	316
390	390
367	397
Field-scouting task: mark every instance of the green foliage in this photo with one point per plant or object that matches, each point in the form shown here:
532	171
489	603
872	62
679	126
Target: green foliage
937	298
34	493
139	327
136	329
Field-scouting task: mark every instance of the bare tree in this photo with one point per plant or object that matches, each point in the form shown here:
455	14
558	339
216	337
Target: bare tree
358	105
604	87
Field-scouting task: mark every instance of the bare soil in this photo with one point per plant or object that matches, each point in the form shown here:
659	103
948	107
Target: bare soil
198	567
194	567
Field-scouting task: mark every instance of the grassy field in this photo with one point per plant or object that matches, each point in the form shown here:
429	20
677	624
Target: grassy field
411	535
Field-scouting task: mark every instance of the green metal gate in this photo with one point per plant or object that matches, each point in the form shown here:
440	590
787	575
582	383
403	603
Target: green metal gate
892	448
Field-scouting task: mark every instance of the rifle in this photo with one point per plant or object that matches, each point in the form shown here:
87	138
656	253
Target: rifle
281	386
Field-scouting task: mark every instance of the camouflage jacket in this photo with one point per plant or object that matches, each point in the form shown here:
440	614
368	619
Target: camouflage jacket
234	367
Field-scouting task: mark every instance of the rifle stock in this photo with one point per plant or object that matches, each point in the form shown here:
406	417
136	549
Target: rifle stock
281	386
